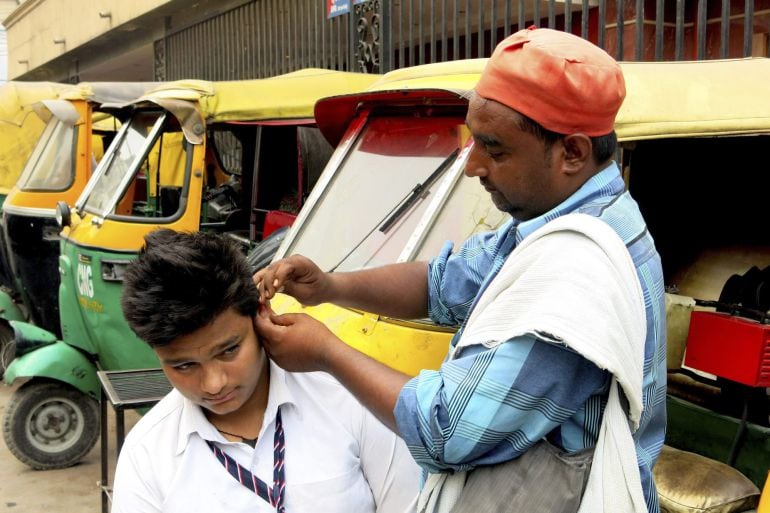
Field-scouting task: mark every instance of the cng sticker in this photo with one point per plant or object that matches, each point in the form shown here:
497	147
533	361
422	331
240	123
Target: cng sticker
84	276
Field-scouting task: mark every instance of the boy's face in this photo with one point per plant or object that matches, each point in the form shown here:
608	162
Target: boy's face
220	366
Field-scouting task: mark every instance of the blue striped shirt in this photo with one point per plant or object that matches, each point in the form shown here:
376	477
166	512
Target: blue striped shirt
488	406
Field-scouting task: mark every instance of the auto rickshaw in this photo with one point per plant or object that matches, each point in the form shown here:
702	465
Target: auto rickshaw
58	168
234	157
681	123
20	130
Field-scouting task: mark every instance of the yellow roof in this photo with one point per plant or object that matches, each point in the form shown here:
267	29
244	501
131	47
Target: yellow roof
459	76
284	97
17	98
685	99
664	99
107	92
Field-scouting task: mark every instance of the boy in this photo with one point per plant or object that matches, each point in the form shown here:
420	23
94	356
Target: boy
238	433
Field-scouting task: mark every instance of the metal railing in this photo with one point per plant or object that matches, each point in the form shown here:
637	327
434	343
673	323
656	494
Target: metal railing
268	37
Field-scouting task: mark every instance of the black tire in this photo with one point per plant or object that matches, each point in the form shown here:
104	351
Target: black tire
50	425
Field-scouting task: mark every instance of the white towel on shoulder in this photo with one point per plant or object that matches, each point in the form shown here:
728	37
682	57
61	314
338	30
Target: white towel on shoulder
574	281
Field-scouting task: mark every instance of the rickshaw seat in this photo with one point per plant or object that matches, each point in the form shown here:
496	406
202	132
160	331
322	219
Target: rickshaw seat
690	483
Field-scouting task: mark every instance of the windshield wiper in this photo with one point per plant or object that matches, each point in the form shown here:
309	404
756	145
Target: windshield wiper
403	205
418	191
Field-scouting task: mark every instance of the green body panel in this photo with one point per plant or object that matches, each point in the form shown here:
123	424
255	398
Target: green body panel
9	309
699	430
91	315
57	361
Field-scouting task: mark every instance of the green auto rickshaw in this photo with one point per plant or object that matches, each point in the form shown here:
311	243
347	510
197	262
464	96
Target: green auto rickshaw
76	131
235	157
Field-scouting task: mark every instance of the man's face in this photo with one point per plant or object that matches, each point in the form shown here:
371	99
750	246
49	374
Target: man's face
219	366
515	167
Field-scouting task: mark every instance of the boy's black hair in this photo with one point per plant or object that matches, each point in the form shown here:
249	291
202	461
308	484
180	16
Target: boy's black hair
182	281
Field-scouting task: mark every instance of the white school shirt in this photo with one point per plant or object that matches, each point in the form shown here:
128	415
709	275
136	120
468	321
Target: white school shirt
339	458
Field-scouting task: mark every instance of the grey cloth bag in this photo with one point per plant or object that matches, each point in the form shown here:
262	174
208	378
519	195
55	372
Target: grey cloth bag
544	479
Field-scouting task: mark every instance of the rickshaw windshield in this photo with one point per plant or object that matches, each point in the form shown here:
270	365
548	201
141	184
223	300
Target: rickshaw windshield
380	191
125	154
50	166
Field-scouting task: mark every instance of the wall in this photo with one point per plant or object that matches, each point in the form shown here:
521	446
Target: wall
6	7
34	26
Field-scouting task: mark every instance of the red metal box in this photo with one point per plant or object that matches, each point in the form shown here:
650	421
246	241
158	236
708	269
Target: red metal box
731	347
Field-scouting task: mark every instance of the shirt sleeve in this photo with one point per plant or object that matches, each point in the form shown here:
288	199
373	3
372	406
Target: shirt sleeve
490	405
392	474
133	491
455	278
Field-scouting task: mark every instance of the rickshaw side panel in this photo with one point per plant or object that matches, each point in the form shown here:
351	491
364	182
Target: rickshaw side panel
96	320
405	346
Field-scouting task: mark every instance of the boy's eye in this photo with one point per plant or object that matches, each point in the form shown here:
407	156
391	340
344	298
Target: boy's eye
231	350
183	366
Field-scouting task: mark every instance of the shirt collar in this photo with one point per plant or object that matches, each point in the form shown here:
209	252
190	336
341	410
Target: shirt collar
193	419
607	181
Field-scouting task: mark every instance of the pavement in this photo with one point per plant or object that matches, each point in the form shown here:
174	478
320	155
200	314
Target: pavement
71	490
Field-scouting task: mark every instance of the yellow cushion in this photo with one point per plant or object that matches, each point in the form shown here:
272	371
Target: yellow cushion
690	483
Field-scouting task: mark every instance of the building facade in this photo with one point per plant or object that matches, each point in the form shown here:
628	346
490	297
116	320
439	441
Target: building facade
74	40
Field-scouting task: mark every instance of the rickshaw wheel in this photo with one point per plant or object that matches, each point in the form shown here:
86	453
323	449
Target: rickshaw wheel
50	425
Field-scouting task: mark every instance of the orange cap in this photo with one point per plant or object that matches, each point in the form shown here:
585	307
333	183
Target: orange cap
560	80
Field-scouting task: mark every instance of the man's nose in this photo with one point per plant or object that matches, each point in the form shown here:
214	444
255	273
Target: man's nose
213	379
475	165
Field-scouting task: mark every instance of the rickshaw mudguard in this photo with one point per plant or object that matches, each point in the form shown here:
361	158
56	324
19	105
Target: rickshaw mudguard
57	361
9	310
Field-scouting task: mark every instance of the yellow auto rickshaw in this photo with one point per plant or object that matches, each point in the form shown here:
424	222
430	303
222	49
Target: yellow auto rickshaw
20	130
394	191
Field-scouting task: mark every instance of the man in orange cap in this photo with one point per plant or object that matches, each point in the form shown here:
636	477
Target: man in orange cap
552	397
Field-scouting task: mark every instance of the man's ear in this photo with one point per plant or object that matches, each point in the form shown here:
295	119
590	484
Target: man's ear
578	153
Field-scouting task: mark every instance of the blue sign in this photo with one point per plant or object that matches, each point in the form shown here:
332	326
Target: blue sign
337	7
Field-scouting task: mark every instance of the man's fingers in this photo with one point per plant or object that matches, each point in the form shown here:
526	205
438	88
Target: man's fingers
284	319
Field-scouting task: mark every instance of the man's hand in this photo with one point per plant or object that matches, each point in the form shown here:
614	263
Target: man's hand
296	276
296	342
299	343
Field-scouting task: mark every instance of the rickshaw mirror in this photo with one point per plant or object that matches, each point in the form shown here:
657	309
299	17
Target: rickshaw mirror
63	214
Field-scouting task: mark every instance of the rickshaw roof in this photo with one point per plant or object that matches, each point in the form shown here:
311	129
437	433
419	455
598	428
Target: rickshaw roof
694	98
106	92
17	98
290	96
663	100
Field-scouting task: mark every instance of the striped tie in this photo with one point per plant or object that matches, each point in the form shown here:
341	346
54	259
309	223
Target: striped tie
273	495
